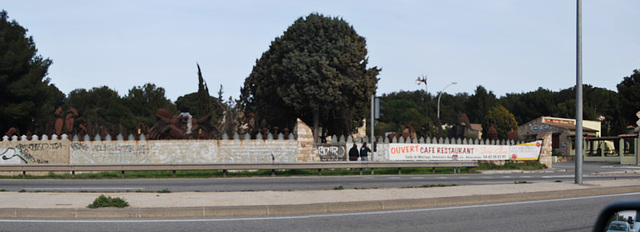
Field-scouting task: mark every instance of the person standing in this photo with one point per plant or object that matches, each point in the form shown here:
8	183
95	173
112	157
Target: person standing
353	153
364	152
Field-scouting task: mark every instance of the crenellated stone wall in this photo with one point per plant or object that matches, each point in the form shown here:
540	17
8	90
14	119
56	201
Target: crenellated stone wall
183	151
120	151
547	150
299	148
45	151
307	151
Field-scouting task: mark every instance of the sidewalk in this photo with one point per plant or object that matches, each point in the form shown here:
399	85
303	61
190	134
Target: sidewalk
272	203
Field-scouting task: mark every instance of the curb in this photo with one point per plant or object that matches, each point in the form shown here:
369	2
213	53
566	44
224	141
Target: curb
617	173
319	208
520	171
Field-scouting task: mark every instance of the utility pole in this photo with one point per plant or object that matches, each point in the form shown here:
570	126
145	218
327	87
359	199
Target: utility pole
579	135
373	97
440	94
423	79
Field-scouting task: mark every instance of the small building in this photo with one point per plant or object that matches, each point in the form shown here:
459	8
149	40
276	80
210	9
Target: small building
563	132
475	130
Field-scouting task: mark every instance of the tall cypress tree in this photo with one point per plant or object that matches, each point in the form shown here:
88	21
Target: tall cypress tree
204	99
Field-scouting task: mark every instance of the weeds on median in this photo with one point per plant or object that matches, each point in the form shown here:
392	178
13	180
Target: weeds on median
103	201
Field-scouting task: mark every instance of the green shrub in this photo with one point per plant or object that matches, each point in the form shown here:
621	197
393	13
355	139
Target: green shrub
103	201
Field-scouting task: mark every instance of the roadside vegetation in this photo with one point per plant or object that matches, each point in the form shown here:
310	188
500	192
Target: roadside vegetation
527	165
510	165
103	201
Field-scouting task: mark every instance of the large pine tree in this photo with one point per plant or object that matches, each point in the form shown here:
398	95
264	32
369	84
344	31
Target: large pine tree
26	97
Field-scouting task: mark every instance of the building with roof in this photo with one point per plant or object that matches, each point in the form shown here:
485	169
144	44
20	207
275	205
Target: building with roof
563	132
476	130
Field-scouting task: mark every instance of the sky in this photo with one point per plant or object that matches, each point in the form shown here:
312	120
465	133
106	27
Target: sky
506	46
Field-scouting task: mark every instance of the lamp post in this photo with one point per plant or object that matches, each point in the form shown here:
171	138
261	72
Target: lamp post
579	100
423	79
440	94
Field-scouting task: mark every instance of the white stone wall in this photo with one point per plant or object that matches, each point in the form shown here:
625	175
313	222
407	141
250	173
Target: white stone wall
307	151
63	151
183	151
34	151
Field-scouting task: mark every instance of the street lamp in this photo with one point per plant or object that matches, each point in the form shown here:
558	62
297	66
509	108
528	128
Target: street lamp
440	94
423	79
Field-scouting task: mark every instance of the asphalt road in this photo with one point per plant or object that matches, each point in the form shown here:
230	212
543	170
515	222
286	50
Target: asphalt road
569	214
564	172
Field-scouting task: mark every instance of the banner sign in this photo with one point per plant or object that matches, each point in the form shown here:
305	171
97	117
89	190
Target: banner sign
449	152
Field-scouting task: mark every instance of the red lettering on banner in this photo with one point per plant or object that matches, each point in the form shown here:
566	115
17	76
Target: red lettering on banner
404	149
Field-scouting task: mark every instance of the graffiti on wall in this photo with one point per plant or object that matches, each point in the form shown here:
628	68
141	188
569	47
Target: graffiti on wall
183	151
332	152
281	151
43	152
12	155
108	152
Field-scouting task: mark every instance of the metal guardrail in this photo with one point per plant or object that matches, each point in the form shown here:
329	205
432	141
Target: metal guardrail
233	166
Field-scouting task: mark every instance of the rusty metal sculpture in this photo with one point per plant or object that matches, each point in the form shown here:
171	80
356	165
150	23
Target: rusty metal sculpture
461	126
182	126
72	113
59	114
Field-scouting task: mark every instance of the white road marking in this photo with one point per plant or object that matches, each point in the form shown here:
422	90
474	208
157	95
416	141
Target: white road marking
51	189
559	176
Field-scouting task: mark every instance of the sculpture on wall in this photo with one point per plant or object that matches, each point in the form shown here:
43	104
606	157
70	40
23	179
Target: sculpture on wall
11	132
165	126
141	129
204	128
70	120
59	121
461	126
409	132
65	124
182	126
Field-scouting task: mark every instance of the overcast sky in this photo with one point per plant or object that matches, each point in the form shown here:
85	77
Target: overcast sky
507	46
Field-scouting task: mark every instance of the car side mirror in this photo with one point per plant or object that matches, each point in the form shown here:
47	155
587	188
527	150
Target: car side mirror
619	216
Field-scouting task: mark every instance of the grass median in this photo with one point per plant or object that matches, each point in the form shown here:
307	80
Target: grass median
527	165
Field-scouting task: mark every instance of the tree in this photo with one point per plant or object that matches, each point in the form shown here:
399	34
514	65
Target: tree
479	103
531	105
500	118
26	96
316	71
451	106
629	93
190	103
402	113
200	103
144	102
102	106
204	99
